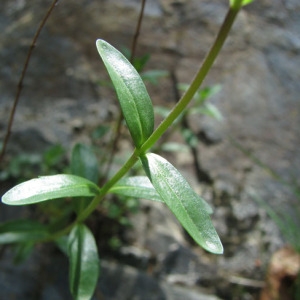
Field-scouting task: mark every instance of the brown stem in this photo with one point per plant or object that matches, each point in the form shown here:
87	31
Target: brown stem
137	31
20	84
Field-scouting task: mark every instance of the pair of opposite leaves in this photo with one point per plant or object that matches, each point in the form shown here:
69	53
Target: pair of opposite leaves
191	210
169	185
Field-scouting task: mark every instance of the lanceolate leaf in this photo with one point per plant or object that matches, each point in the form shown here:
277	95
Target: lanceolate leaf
190	209
136	187
50	187
134	99
22	231
84	263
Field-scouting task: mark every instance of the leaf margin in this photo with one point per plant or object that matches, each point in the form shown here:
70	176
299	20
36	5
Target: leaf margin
206	237
50	187
137	109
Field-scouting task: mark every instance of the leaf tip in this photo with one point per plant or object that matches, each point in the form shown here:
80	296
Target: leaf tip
100	45
99	42
216	248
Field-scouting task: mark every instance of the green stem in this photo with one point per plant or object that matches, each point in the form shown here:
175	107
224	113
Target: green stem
197	81
236	4
177	110
109	184
181	105
104	190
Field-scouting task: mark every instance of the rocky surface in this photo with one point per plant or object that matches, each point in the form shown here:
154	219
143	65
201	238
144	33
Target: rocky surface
62	101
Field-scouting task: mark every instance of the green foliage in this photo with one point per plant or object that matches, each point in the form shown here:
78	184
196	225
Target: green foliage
50	187
190	209
168	184
84	163
199	107
84	262
132	94
21	167
139	63
136	187
153	76
53	158
20	231
24	166
100	132
163	183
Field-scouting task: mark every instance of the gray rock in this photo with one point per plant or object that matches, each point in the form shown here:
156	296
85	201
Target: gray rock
155	228
123	282
259	72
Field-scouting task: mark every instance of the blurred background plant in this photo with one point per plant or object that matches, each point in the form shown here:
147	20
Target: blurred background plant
26	165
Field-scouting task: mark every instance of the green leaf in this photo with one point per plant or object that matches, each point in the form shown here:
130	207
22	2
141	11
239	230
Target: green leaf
22	251
136	187
207	109
50	187
153	76
164	112
84	262
175	147
132	94
190	209
189	137
22	231
202	94
84	162
62	243
140	62
100	132
53	155
207	92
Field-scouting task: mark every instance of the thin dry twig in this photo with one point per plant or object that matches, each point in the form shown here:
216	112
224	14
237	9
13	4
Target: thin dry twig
20	84
137	31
